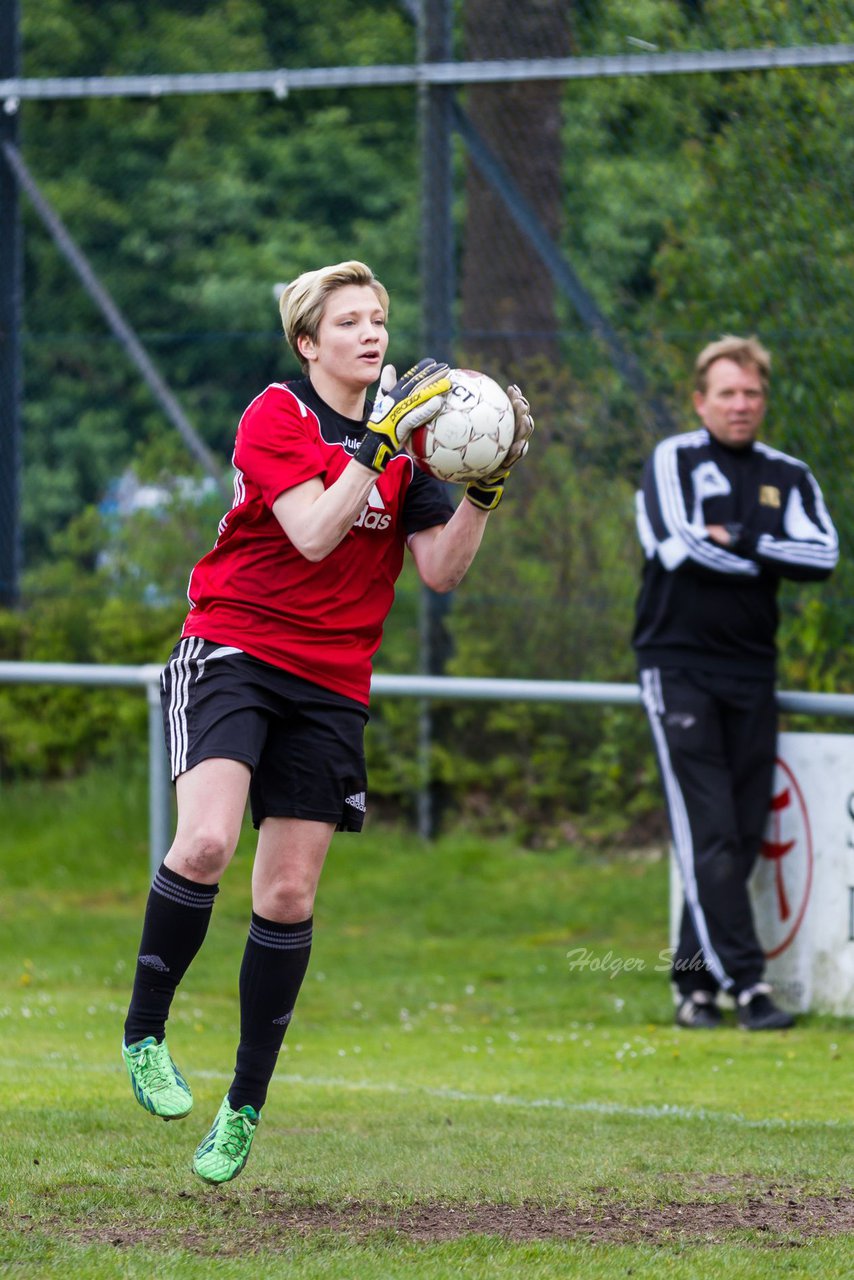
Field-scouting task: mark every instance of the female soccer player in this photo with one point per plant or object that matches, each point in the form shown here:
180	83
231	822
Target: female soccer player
265	695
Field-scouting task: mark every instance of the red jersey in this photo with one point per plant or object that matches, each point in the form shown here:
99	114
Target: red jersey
322	621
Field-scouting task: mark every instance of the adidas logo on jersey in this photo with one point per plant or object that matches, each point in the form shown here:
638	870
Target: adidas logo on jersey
373	514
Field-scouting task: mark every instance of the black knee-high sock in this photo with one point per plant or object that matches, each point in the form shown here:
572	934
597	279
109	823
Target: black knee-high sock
274	965
176	921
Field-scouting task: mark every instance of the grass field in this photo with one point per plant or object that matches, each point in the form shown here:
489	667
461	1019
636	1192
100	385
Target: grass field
454	1097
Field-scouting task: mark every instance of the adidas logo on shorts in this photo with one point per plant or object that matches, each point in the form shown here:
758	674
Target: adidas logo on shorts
357	801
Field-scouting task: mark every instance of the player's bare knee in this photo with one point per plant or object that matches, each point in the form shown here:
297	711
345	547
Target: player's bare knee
203	854
286	902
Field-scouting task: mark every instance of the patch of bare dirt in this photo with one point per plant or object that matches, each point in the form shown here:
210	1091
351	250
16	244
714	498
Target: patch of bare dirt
717	1210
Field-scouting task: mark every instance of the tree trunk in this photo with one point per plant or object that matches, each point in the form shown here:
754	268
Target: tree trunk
508	296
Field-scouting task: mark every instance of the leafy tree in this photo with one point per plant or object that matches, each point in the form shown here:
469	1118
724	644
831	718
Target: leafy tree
191	209
507	293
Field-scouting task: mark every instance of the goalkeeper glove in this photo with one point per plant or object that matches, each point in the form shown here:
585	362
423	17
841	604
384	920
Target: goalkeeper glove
403	404
487	493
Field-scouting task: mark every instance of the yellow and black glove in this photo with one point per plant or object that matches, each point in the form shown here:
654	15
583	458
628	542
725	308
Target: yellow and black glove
402	405
487	493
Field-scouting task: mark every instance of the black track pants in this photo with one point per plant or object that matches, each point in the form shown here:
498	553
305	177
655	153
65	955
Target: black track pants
715	737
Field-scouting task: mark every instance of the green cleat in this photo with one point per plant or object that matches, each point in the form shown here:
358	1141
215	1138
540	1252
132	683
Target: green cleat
223	1153
157	1083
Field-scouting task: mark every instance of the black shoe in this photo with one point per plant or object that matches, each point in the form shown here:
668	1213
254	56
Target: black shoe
698	1012
758	1012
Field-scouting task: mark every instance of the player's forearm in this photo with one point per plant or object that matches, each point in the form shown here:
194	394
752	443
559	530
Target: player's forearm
444	560
317	521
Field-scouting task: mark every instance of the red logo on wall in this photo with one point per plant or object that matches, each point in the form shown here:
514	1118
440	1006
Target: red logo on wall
785	866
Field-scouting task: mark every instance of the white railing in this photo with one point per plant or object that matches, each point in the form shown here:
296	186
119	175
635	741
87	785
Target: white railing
449	688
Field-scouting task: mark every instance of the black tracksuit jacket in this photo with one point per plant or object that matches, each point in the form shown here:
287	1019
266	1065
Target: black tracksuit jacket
701	605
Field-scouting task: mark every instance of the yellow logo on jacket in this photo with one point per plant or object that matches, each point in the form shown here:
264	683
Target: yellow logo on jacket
769	495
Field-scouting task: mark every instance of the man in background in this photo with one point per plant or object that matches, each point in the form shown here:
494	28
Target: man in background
722	518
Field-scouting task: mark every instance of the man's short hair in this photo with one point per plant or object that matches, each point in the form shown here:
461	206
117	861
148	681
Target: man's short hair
303	301
747	352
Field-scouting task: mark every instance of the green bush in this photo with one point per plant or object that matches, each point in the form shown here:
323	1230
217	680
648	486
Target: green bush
89	603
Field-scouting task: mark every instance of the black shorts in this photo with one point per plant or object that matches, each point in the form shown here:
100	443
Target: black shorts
304	744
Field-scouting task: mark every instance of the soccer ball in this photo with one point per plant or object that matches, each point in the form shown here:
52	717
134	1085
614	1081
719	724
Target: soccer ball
470	435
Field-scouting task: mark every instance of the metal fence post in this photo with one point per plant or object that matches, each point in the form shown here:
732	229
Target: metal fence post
11	306
435	44
159	781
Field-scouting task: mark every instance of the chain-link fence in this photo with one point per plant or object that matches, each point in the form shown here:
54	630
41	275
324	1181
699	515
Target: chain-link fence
576	196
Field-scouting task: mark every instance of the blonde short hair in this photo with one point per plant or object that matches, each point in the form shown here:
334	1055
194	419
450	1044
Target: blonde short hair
746	352
303	301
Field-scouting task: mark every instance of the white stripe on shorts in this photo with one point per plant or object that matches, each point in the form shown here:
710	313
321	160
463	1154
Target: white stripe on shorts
187	665
180	668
